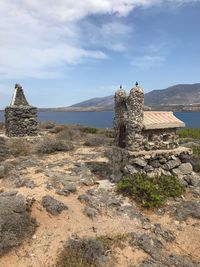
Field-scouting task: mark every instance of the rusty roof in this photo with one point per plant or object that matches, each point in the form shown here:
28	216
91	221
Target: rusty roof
161	120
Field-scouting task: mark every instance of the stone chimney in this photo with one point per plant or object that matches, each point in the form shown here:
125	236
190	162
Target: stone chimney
135	115
20	117
120	118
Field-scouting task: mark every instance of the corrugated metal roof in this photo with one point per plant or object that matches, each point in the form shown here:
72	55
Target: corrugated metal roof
161	120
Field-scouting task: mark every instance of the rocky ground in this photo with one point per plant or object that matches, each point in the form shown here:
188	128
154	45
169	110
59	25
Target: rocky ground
52	202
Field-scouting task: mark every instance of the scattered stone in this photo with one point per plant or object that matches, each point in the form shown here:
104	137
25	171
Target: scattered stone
188	208
62	192
52	205
90	212
87	181
130	170
2	171
70	187
179	261
83	198
167	235
150	245
140	162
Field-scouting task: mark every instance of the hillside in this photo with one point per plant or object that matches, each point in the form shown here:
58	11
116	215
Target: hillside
177	95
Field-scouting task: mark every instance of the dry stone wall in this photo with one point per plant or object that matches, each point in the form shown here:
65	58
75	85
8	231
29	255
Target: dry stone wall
20	117
160	162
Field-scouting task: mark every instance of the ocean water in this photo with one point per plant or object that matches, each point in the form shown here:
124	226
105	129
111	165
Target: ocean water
103	119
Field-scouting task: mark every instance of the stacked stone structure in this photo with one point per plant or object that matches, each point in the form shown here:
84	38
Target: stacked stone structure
146	141
20	117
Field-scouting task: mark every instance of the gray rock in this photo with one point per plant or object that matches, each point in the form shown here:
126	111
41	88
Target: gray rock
179	261
70	187
140	162
52	205
192	179
167	235
150	245
2	171
183	169
62	193
155	163
171	164
130	170
83	198
90	212
188	208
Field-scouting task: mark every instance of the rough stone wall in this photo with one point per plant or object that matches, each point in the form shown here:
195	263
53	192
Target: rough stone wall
159	139
21	121
160	162
120	119
20	118
135	103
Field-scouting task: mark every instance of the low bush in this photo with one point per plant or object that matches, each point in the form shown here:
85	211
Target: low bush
196	151
90	130
57	129
150	192
72	133
19	147
47	125
97	140
86	252
193	133
51	145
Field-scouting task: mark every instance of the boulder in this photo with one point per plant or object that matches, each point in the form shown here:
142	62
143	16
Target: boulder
183	169
171	164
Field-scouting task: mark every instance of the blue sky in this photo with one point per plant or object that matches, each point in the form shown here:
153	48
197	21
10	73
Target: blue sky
66	51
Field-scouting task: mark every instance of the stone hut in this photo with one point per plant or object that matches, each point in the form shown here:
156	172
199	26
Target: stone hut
146	141
20	117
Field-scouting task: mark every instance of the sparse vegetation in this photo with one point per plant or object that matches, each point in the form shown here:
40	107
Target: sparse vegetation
150	192
47	125
90	130
193	133
72	133
86	252
50	145
196	151
97	140
19	147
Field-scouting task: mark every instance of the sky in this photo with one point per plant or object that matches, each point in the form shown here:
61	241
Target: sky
67	51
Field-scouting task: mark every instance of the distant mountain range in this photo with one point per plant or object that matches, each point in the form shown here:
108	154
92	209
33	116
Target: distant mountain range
180	96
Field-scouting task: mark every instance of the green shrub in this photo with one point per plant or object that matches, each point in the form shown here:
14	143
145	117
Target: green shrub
150	192
90	130
193	133
196	151
51	145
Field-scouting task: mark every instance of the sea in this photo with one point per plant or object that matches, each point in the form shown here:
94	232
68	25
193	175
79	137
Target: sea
103	119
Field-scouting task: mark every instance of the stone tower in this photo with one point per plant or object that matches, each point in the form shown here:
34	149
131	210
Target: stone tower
135	103
128	121
20	117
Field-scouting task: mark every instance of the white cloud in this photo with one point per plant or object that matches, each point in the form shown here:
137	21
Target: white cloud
38	38
147	61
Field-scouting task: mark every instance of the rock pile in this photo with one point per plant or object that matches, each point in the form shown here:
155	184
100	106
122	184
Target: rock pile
20	117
